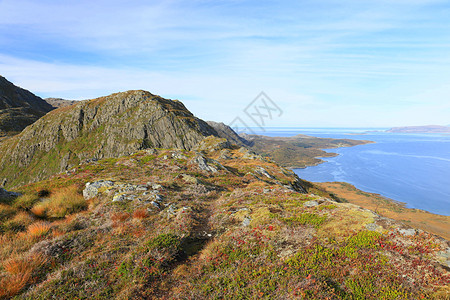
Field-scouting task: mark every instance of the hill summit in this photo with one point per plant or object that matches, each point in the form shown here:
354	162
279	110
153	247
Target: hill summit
111	126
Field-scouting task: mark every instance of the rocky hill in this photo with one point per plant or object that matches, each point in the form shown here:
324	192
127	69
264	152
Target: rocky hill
221	223
110	126
18	108
59	102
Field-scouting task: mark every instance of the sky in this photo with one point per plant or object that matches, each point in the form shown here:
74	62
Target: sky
362	63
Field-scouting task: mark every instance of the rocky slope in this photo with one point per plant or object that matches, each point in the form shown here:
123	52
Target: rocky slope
18	108
111	126
221	223
59	102
225	131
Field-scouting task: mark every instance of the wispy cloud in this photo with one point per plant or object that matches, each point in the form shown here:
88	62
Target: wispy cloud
319	57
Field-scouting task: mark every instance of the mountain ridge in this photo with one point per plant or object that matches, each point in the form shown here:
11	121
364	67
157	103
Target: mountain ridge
109	126
18	108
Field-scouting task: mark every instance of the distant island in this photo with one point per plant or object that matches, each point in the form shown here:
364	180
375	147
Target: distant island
421	129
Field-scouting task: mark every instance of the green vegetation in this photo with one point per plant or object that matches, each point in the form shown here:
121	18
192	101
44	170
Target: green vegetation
228	235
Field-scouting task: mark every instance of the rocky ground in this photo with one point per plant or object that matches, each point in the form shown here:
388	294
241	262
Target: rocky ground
216	222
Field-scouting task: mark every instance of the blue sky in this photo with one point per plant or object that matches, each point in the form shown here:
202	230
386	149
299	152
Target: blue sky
324	63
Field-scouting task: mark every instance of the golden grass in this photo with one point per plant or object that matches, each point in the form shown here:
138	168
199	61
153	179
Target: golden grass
140	214
120	217
20	271
26	201
38	229
62	202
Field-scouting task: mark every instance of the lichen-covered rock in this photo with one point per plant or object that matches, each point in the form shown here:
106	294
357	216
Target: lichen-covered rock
92	189
263	172
202	164
311	203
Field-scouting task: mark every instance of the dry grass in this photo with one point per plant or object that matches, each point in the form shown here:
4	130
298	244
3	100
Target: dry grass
26	201
64	201
6	211
140	214
120	217
39	210
38	229
20	271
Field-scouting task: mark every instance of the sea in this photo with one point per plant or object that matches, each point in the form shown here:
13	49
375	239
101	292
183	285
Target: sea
410	168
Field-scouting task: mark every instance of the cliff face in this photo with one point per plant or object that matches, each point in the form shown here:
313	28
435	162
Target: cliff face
18	107
111	126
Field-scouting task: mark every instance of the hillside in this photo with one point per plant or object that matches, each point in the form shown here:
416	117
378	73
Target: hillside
110	126
420	129
59	102
216	224
18	108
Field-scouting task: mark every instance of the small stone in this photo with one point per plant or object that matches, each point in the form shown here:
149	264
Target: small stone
119	197
156	186
263	172
310	203
179	155
373	227
246	221
155	204
407	232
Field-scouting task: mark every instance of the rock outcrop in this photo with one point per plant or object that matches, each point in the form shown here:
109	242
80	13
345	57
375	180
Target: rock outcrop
225	131
110	126
19	107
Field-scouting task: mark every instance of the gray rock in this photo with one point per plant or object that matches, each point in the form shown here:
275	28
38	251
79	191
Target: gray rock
4	194
373	227
189	179
251	155
202	163
179	155
263	172
92	189
156	186
119	197
225	154
310	203
156	204
246	221
407	232
171	210
444	257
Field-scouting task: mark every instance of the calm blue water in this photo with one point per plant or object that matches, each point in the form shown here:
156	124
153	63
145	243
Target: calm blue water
411	168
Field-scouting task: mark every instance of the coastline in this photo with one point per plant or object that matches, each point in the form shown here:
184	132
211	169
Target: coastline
390	208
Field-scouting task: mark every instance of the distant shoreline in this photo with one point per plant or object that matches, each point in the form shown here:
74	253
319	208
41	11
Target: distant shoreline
390	208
